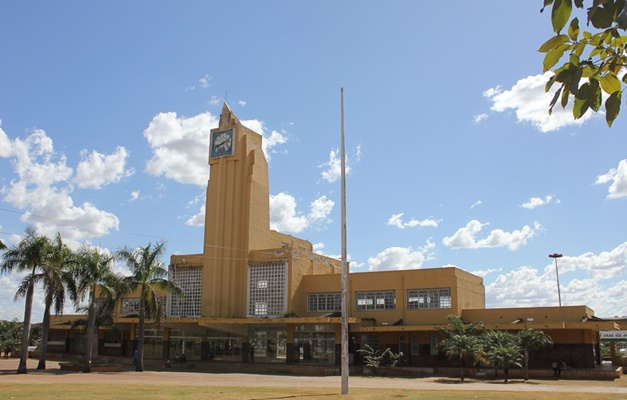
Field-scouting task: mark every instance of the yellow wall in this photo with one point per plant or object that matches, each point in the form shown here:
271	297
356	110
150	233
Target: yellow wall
466	289
236	221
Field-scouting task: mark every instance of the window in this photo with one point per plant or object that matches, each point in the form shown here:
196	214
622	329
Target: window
327	302
267	289
130	306
190	280
419	299
375	301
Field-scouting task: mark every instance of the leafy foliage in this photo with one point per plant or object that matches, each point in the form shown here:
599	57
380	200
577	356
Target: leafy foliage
374	358
596	58
531	340
460	340
149	277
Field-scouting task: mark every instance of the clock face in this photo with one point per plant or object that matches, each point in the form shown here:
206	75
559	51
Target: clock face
222	143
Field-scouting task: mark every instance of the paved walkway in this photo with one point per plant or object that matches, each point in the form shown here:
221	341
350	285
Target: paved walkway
53	375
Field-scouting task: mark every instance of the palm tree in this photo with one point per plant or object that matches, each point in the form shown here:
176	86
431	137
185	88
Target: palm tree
501	350
532	340
149	276
56	277
27	256
2	246
94	272
460	340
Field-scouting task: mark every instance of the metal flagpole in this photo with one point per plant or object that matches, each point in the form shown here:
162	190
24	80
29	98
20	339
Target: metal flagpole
344	365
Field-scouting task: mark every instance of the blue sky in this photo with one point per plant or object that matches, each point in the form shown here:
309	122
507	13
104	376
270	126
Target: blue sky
106	109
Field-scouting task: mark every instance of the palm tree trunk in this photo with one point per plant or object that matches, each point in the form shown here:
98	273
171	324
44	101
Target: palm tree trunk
91	327
140	339
461	367
28	309
45	331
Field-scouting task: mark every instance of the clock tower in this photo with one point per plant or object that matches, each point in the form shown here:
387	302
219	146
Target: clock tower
237	216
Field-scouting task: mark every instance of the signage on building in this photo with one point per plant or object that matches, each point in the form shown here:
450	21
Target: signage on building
613	335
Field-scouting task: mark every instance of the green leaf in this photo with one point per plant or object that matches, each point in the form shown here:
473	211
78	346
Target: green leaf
560	14
573	29
554	100
565	96
553	43
546	3
551	81
574	81
553	56
601	18
612	107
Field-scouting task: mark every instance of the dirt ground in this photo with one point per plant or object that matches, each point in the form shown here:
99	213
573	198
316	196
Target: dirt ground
54	375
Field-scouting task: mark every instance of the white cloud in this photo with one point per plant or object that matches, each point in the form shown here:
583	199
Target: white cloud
538	201
5	143
397	221
320	209
333	168
465	238
242	103
397	258
618	177
134	195
283	215
97	170
530	287
205	81
285	218
479	118
43	190
197	219
180	146
485	272
476	204
531	104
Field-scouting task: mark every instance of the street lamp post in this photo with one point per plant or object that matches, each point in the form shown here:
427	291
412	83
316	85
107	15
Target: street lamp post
557	276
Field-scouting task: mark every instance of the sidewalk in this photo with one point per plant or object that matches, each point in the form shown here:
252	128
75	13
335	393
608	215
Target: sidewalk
53	375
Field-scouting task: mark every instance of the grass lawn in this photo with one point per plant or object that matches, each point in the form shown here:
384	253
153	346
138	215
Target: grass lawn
154	392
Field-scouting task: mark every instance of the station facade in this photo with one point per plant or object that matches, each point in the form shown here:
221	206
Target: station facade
253	294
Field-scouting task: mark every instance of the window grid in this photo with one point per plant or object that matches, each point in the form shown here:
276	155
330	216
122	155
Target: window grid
267	289
420	299
130	306
328	302
190	280
376	301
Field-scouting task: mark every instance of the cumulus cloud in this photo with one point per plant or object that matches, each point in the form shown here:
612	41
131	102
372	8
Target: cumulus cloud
179	146
284	216
618	177
197	219
538	201
134	195
465	238
5	143
399	258
96	170
333	168
397	221
43	191
530	102
532	287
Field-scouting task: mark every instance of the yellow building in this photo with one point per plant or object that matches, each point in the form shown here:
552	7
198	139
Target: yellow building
256	295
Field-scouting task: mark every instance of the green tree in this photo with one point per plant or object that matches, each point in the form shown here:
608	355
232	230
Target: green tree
94	275
10	333
531	340
2	246
502	350
595	58
56	278
28	256
149	277
460	340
